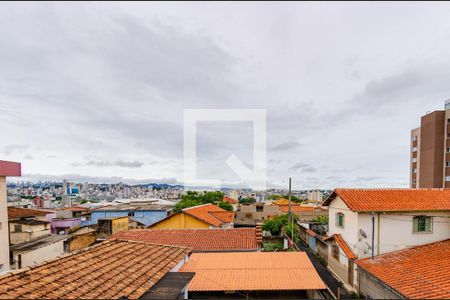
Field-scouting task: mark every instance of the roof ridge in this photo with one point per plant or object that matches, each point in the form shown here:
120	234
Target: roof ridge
201	205
403	250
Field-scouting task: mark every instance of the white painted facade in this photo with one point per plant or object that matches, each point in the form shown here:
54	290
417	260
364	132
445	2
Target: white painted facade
4	240
392	231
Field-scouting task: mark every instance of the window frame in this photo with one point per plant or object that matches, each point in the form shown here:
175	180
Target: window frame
340	216
415	227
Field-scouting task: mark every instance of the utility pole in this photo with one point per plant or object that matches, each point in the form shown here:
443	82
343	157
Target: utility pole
290	218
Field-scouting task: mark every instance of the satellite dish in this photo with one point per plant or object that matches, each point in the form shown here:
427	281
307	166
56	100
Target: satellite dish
363	233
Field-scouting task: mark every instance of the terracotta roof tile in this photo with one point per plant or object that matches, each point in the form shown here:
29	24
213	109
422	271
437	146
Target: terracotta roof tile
229	200
420	272
255	271
282	201
17	212
200	240
112	269
205	213
296	208
344	246
393	199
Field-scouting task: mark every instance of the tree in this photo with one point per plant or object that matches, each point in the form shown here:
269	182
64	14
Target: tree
193	198
275	224
247	200
226	206
274	197
321	219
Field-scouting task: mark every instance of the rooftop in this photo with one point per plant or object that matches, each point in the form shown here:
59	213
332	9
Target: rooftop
112	269
200	240
30	222
211	214
342	244
252	271
9	168
420	272
367	200
229	200
17	212
127	207
296	208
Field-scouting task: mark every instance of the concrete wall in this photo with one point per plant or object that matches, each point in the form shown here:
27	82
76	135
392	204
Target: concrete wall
81	241
4	239
39	255
370	286
20	237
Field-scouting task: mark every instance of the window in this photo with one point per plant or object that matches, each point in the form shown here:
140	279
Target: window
414	149
414	138
447	178
447	163
414	160
448	150
340	219
414	171
17	228
131	214
422	224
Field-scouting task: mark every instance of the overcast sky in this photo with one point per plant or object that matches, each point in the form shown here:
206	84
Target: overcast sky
96	91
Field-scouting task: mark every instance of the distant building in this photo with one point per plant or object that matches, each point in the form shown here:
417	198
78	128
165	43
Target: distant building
430	151
315	196
6	169
146	214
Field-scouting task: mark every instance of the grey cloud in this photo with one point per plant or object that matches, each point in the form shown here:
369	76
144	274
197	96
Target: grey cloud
286	146
14	148
93	179
117	163
368	178
302	167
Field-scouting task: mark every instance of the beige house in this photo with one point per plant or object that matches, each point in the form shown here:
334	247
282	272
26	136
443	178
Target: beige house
23	230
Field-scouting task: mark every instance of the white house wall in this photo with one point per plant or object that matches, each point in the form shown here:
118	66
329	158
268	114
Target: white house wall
396	230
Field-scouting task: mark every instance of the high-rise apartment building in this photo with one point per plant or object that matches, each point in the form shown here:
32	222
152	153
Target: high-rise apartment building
430	151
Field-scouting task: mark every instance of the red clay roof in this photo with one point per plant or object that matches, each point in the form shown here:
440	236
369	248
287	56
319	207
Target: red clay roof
17	212
208	213
200	240
252	271
393	199
9	168
112	269
229	200
342	244
420	272
296	208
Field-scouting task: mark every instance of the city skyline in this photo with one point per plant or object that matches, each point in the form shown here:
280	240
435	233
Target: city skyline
97	92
